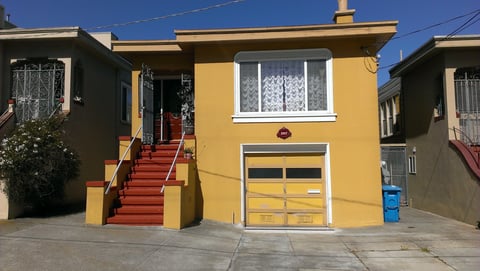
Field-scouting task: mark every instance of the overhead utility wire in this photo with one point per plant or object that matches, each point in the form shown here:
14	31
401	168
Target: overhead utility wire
464	26
165	16
435	25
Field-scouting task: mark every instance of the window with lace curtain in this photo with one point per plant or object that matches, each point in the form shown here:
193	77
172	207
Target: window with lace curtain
279	86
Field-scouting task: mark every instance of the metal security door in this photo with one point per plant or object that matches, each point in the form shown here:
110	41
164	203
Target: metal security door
37	87
395	159
147	105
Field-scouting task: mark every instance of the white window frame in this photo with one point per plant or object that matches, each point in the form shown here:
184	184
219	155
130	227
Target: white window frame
388	117
412	164
125	90
280	55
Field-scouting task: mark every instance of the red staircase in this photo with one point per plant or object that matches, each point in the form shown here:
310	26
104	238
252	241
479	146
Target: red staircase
140	201
471	155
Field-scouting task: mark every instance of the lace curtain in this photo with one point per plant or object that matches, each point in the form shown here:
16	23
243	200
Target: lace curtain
283	86
249	87
317	85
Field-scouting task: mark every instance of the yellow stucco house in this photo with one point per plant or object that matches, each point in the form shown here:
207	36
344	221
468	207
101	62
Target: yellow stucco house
285	127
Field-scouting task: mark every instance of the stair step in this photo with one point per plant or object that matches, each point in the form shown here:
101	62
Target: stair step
163	153
151	168
136	219
141	200
144	183
153	148
140	191
151	175
140	209
159	161
155	161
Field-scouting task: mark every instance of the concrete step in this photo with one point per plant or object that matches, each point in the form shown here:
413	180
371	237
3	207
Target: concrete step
136	219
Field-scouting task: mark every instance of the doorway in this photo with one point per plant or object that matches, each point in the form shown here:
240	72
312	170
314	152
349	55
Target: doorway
167	108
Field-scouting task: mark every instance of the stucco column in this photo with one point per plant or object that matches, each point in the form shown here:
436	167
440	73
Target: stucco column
450	107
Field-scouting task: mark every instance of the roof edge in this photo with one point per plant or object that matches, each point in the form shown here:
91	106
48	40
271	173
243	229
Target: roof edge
281	28
433	44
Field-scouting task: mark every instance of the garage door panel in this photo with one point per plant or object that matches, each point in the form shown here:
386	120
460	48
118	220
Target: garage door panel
303	159
265	188
305	219
264	159
303	203
271	219
266	203
304	188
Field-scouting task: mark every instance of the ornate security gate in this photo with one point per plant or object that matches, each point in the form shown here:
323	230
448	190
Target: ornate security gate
467	96
147	104
37	87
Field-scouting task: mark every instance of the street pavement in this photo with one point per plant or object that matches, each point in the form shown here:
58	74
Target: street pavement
420	241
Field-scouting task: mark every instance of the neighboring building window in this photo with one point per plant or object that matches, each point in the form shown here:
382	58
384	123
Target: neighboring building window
278	86
37	86
126	103
383	119
397	119
78	79
412	164
467	100
390	116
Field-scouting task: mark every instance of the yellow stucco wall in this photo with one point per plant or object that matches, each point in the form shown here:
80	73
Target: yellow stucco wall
352	138
355	197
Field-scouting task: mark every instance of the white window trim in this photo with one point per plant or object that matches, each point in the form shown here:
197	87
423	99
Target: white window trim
412	164
128	88
304	116
388	110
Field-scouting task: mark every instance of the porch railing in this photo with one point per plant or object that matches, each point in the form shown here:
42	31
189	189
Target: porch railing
121	160
55	110
463	137
174	161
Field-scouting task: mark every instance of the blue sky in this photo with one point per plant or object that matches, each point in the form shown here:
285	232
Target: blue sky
412	15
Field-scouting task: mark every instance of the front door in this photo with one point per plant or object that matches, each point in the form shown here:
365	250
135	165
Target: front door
285	190
168	117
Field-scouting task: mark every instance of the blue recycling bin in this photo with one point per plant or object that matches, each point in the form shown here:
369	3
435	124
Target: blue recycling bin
391	202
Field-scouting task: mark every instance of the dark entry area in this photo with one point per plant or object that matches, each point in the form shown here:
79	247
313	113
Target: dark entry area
167	106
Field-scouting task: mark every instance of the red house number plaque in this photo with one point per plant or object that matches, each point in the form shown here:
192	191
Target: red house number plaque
284	133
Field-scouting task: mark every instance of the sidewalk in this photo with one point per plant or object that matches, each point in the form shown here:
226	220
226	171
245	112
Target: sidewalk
420	241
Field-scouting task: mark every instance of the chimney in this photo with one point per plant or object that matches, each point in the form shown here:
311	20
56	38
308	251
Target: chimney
343	14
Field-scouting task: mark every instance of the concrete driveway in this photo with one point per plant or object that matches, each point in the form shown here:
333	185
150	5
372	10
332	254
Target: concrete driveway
420	241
